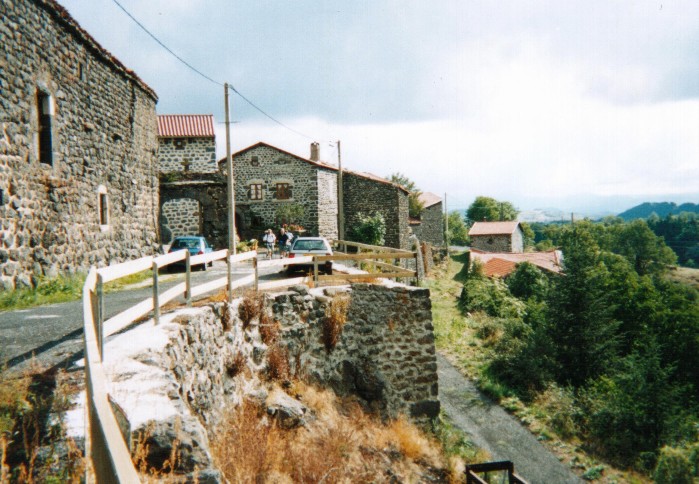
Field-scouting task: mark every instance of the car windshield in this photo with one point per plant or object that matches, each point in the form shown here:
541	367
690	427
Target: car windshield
309	245
185	244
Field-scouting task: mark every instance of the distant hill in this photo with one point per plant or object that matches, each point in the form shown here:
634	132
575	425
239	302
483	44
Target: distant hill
663	209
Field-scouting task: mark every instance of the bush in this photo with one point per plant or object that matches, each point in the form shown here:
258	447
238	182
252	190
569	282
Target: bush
250	307
369	229
490	296
673	467
335	319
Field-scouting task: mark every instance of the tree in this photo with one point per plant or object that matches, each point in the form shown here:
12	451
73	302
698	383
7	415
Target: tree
369	229
580	318
457	233
415	206
527	281
646	252
490	210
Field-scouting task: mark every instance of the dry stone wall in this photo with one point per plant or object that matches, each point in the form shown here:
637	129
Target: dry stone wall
499	242
181	216
385	353
103	134
431	226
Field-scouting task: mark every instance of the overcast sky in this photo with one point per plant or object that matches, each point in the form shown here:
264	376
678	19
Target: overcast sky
542	103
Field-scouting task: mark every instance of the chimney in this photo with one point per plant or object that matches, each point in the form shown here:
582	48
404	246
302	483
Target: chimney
315	151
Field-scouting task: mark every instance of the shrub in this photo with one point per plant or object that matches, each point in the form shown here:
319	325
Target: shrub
250	307
278	364
673	467
368	229
335	319
234	364
269	329
490	296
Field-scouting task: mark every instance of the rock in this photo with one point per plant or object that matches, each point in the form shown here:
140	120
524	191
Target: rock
290	413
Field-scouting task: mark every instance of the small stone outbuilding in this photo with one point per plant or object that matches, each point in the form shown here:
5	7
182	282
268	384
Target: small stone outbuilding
497	236
78	149
190	184
429	227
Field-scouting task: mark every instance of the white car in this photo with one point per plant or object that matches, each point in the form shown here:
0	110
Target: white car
304	246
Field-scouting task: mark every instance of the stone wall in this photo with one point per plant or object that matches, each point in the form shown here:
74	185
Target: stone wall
385	354
197	155
103	146
267	166
431	226
366	195
180	216
210	194
327	204
499	242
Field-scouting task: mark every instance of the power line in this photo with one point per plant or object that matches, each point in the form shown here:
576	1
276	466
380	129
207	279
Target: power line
208	78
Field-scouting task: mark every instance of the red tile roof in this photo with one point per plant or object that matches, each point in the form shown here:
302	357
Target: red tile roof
186	126
428	199
550	261
496	267
493	228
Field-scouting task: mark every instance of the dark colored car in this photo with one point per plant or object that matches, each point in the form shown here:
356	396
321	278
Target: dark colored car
304	246
196	245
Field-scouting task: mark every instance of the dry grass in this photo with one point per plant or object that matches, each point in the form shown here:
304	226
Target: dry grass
685	275
143	460
250	307
235	364
335	319
278	364
269	329
342	444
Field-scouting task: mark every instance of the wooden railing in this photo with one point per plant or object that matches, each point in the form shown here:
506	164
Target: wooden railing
105	446
508	467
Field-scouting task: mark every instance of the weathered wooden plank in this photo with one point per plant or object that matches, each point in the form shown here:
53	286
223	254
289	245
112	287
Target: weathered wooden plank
367	256
210	257
117	271
351	277
167	259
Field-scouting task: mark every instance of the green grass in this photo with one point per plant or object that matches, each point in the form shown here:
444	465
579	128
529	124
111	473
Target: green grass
47	291
60	289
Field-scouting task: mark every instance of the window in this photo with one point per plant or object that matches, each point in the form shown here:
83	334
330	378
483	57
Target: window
180	143
254	161
255	191
45	109
103	206
283	191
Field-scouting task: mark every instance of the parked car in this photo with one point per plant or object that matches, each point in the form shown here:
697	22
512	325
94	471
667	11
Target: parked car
196	244
304	246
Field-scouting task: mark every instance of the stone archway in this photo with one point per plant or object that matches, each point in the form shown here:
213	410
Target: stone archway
180	216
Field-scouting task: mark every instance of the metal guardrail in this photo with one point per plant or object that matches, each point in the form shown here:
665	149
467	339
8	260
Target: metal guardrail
105	446
473	470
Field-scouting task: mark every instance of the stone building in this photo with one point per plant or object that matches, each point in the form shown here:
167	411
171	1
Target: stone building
273	187
269	180
78	144
365	194
497	237
430	226
187	150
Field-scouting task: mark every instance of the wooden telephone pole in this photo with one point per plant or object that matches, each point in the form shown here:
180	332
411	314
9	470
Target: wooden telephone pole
340	197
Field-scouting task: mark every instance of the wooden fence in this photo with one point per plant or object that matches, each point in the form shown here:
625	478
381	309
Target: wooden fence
105	447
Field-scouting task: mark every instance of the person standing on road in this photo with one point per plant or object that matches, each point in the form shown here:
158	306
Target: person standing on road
284	242
269	239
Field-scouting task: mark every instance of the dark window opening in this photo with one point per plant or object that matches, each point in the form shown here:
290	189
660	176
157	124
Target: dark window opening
104	218
45	141
256	191
256	221
186	164
254	161
179	144
283	191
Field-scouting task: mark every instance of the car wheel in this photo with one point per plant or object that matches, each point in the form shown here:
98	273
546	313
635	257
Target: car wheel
203	267
211	264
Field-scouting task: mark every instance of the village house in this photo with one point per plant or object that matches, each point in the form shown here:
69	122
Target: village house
497	236
187	150
429	227
78	149
271	183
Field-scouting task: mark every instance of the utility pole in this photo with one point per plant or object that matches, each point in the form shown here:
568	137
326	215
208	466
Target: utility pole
446	223
340	197
231	188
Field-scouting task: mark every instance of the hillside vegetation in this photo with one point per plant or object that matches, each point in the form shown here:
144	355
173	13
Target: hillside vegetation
660	209
603	359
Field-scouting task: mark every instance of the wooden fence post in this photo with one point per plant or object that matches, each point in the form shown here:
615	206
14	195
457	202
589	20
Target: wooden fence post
257	274
156	290
99	317
188	279
315	270
230	277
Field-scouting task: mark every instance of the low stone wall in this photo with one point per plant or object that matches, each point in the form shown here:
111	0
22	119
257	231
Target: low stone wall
385	353
173	381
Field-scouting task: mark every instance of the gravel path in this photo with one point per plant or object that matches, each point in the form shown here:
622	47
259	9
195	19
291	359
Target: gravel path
493	429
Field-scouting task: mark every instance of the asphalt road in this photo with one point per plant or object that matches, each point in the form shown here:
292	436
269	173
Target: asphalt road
52	334
493	429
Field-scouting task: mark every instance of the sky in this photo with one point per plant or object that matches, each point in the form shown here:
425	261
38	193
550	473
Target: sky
580	105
